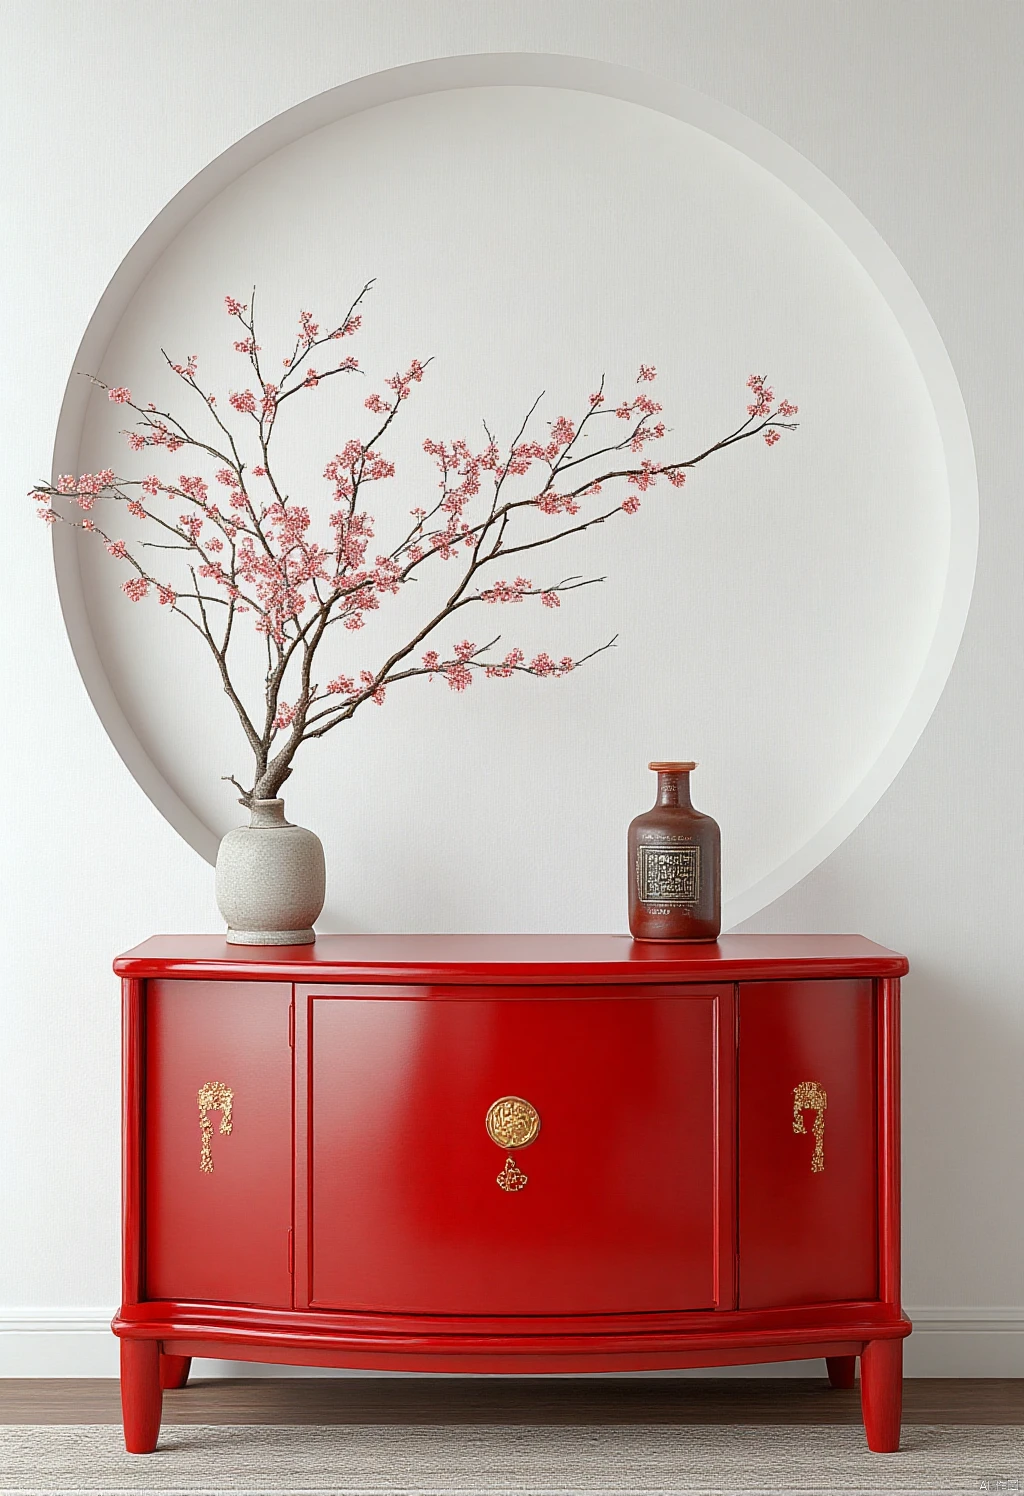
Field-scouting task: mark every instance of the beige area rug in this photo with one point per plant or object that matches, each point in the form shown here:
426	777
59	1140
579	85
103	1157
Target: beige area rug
651	1460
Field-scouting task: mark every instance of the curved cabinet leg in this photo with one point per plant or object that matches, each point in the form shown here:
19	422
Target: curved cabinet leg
881	1393
141	1397
174	1371
841	1371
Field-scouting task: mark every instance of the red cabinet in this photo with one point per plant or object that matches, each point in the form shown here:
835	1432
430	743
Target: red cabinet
612	1207
808	1189
218	1144
511	1154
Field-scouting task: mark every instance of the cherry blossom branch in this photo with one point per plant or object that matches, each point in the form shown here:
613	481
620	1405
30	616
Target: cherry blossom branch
260	556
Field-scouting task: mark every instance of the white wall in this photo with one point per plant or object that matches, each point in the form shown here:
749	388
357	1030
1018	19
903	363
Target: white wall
111	107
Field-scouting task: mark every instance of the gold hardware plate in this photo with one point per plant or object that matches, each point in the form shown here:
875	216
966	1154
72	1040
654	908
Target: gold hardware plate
512	1122
810	1096
215	1096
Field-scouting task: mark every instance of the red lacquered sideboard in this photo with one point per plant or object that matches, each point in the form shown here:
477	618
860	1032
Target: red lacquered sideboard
511	1154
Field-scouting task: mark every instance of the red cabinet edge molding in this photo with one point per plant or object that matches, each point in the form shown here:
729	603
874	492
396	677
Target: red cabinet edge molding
511	1154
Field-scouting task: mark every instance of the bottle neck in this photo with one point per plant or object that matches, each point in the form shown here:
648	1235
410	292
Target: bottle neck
674	788
267	814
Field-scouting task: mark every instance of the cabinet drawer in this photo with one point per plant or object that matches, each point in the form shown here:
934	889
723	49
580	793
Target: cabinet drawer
218	1204
618	1209
807	1198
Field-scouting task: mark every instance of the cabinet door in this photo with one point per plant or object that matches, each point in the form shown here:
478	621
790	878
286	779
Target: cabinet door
218	1201
617	1209
807	1139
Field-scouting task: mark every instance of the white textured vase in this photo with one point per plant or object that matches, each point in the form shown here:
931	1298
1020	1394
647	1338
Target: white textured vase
271	879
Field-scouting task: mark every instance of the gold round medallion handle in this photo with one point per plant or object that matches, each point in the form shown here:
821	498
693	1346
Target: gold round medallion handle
512	1122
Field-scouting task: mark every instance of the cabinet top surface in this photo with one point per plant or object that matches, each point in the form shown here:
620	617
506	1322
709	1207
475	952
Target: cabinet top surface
512	958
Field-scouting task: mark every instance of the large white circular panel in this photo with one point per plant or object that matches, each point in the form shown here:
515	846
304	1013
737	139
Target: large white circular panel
788	618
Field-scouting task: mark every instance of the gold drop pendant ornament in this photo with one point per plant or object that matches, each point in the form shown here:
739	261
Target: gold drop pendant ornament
512	1122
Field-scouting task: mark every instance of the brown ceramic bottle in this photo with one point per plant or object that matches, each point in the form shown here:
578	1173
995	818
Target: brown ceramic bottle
675	872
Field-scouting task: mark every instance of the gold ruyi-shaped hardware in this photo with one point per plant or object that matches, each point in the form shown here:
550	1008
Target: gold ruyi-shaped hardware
512	1177
512	1122
809	1096
215	1096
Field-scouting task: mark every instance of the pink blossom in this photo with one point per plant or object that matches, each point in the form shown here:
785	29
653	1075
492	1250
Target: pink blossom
342	685
630	505
763	396
542	664
378	467
597	398
118	549
771	436
353	325
244	402
66	483
551	599
401	383
49	517
136	509
234	308
135	440
557	503
247	345
369	680
786	409
135	588
312	379
226	476
512	662
285	715
563	431
119	395
431	660
676	477
647	371
259	472
465	650
644	434
507	592
458	675
193	486
151	485
376	404
645	478
168	597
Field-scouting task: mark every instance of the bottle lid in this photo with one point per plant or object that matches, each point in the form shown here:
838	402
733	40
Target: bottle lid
671	768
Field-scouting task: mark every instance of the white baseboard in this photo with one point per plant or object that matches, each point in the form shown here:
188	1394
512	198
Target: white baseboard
961	1342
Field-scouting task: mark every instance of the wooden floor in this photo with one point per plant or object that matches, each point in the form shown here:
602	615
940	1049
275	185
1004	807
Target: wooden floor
434	1400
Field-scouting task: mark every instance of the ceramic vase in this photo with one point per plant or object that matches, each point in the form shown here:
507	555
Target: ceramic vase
271	879
675	865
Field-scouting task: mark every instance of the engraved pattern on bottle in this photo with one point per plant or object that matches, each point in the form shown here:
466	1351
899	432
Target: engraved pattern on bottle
668	875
